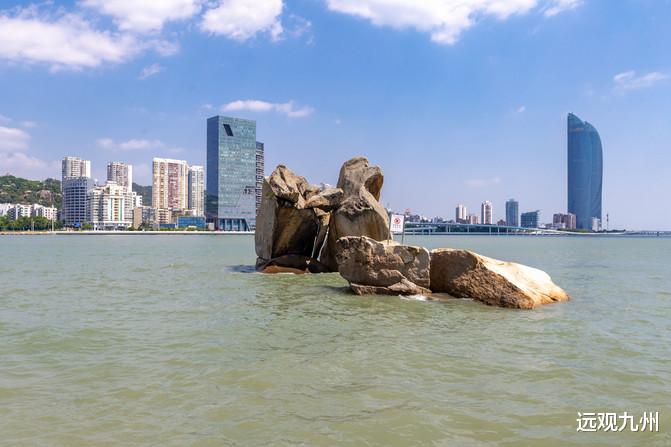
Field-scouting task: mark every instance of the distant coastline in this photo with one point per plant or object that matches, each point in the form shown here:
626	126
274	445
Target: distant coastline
645	234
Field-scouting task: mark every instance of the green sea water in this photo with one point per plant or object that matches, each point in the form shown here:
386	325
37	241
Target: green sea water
174	341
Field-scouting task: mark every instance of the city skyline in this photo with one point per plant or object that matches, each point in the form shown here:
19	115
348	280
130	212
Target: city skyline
451	120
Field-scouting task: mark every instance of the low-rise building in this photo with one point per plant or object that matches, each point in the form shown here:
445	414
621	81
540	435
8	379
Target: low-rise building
530	219
164	216
145	217
564	221
191	222
47	212
19	211
4	208
110	207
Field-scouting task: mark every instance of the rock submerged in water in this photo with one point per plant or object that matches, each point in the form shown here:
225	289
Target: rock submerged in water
302	228
464	274
387	267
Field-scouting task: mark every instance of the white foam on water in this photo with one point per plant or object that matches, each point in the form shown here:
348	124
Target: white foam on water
414	297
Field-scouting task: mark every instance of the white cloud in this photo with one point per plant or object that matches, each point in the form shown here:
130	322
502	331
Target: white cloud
23	165
444	20
15	160
145	15
129	145
629	81
5	119
243	19
483	182
521	109
288	108
28	124
12	139
558	6
150	70
67	41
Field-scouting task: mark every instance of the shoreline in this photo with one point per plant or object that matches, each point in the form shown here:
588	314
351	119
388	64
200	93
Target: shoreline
646	234
122	233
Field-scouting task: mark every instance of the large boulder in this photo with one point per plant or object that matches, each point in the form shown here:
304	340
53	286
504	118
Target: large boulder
374	267
464	274
359	212
286	225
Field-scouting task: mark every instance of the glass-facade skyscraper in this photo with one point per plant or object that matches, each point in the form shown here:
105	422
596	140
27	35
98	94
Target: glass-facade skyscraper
513	213
231	173
585	171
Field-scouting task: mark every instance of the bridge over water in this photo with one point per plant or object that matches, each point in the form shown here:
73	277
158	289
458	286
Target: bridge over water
428	228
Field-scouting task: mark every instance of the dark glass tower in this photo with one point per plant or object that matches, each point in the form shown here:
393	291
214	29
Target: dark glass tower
585	171
231	173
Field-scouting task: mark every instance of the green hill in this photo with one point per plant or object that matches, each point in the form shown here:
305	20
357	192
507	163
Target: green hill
145	192
20	190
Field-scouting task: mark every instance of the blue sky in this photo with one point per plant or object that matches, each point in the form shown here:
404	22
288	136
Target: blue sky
458	101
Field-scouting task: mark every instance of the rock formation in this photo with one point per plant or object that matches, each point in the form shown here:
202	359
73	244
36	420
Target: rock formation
303	228
464	274
373	267
292	220
359	212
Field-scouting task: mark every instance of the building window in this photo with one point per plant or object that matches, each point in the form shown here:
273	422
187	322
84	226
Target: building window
228	129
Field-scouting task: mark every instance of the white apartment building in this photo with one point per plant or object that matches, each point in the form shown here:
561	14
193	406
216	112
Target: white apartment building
486	213
110	207
460	213
4	208
197	190
75	167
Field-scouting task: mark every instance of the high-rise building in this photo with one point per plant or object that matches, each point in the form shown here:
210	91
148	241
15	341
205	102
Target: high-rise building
75	184
531	219
197	190
110	207
75	209
460	213
231	173
513	213
75	167
472	219
121	174
486	213
585	171
260	156
170	184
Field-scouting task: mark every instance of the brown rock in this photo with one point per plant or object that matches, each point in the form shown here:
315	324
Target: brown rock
404	287
326	200
291	264
464	274
360	213
383	267
284	226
